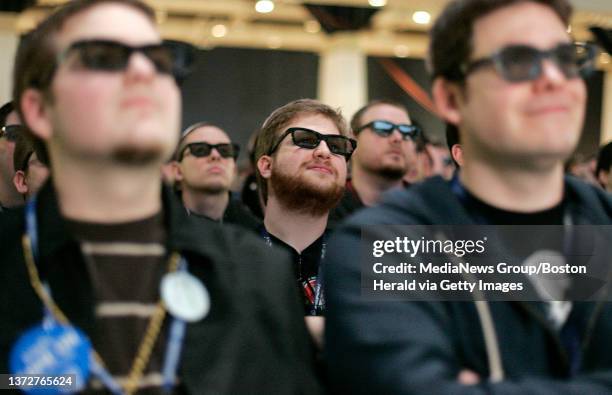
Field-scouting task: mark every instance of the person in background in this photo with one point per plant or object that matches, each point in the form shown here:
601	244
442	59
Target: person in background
10	127
386	139
302	152
205	167
31	165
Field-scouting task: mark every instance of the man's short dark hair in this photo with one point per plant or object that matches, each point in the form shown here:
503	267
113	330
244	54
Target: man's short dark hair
275	124
451	41
356	121
604	159
25	146
5	110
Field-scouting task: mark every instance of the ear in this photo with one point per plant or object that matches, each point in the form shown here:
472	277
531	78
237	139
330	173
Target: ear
35	113
264	165
447	96
176	170
457	153
19	180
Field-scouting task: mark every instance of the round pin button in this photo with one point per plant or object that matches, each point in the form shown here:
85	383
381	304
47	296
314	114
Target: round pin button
185	296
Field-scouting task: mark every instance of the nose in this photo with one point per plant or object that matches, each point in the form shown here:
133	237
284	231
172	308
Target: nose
322	150
140	67
551	73
396	136
214	154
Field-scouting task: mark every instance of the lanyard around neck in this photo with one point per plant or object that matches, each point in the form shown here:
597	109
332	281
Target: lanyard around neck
177	329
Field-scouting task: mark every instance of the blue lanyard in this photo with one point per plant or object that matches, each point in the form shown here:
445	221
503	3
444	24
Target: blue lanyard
178	327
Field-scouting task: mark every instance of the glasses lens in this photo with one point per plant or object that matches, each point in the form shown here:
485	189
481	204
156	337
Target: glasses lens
199	149
382	128
227	150
305	138
11	132
571	58
339	145
101	55
519	63
162	57
408	131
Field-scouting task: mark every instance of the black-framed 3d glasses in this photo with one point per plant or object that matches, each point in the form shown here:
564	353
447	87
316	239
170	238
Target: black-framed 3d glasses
202	149
519	63
310	139
169	57
386	128
10	132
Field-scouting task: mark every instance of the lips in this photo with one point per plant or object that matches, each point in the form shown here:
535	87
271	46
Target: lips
215	169
322	169
137	102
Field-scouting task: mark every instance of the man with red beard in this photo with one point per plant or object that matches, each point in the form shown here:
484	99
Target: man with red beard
387	150
302	153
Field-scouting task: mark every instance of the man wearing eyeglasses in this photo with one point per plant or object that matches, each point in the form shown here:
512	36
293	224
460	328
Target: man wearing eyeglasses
10	127
387	150
205	168
104	275
506	73
301	153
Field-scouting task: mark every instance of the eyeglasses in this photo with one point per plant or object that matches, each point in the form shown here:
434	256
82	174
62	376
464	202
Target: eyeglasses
169	57
519	63
10	132
309	139
386	128
202	149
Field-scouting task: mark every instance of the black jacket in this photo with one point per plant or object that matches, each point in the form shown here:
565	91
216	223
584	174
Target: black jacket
403	347
252	342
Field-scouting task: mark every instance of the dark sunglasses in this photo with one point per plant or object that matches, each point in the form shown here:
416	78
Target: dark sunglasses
386	128
519	63
201	149
309	139
10	132
169	57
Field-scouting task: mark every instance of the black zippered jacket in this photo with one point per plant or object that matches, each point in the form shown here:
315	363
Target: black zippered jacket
253	341
410	347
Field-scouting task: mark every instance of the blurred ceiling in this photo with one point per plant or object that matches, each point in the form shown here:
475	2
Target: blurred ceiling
312	25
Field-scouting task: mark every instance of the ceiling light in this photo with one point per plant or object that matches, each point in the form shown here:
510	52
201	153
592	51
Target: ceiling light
312	26
264	6
219	30
377	3
421	17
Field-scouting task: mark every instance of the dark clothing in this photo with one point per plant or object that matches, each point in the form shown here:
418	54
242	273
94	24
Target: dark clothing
306	268
235	213
483	213
253	340
349	203
116	254
404	347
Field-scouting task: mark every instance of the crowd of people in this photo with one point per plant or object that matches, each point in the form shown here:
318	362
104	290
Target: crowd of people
128	261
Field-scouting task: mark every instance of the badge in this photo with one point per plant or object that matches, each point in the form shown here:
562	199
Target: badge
185	296
52	349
